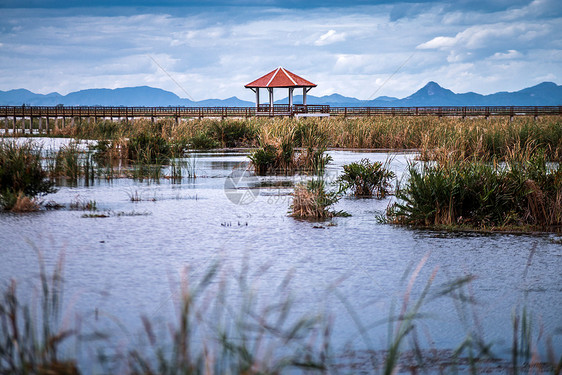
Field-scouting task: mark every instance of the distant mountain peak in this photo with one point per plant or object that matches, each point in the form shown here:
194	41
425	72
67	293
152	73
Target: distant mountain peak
431	93
433	88
545	85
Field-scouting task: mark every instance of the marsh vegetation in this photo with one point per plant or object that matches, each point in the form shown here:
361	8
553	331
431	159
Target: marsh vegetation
478	173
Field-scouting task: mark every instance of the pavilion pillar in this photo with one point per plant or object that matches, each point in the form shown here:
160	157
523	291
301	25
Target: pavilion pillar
270	89
291	97
257	97
304	95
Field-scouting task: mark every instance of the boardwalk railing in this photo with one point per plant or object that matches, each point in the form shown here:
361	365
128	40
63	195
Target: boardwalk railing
44	119
124	112
472	111
265	110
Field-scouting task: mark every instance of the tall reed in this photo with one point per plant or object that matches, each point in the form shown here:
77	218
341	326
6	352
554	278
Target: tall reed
224	325
215	335
31	344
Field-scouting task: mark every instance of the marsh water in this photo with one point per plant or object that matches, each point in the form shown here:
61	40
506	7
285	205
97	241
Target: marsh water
125	261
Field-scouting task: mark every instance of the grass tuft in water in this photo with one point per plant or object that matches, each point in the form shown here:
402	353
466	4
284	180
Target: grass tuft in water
366	179
83	205
313	200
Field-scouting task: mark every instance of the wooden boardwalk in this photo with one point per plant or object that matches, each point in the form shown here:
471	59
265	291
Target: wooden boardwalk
42	119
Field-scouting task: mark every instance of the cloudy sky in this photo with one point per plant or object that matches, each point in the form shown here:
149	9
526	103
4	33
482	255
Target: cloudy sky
210	49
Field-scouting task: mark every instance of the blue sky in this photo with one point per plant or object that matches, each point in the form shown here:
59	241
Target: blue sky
212	48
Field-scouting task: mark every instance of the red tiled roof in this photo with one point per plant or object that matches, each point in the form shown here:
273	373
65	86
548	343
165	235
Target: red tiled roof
280	77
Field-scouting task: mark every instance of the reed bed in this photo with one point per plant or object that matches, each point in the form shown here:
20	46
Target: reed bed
480	137
433	136
26	172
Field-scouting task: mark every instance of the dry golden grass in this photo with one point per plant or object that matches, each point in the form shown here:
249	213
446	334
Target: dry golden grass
313	201
305	204
24	204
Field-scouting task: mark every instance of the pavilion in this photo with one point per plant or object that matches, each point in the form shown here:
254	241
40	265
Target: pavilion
280	78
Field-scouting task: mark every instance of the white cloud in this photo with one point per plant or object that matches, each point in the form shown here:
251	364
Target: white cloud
456	57
439	42
511	54
482	36
536	9
330	37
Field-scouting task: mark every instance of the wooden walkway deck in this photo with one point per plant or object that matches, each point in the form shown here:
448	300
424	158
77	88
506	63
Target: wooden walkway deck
42	119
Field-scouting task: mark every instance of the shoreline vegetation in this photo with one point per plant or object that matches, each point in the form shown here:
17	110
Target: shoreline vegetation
471	173
212	334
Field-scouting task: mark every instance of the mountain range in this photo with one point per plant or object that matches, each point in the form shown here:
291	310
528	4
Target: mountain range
543	94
